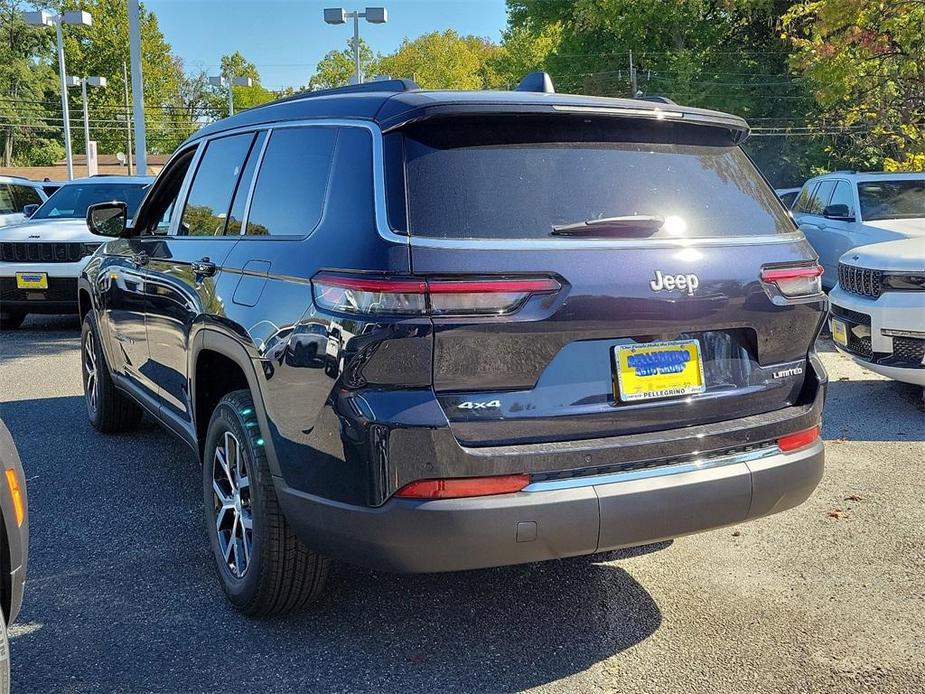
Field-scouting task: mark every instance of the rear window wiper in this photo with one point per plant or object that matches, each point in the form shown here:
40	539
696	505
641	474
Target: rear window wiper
628	225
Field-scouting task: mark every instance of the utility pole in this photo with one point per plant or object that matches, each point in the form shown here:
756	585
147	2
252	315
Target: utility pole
633	83
68	152
128	118
134	40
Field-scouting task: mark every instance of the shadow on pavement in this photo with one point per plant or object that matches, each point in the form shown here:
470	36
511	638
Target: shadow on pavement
40	336
873	410
122	595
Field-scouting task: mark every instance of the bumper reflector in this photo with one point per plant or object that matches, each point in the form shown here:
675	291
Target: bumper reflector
464	486
800	439
12	481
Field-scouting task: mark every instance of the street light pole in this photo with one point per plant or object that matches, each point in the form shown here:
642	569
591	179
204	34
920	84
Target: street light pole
134	42
231	82
66	116
83	82
46	18
128	119
373	15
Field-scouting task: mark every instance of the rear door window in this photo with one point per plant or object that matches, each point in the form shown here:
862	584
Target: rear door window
508	178
24	195
209	199
291	184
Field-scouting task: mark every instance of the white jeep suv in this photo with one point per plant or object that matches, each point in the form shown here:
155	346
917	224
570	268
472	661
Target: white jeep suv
878	308
41	258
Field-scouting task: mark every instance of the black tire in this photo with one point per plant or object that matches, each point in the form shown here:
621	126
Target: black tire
279	574
109	410
4	656
10	320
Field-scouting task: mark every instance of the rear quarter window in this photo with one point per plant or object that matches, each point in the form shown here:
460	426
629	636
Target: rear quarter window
518	179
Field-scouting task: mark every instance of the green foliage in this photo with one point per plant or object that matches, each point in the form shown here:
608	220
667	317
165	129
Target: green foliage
335	69
443	60
864	63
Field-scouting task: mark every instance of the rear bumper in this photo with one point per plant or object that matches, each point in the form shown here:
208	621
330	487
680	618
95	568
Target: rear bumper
555	519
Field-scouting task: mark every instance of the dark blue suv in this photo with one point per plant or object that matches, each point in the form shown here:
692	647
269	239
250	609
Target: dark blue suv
432	330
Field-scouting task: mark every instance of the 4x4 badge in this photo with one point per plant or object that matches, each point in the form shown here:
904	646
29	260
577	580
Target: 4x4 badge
688	282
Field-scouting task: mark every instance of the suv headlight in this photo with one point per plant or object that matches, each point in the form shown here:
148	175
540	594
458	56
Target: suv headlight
904	281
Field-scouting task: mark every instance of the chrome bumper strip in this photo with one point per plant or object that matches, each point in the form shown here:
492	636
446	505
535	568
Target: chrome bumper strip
630	475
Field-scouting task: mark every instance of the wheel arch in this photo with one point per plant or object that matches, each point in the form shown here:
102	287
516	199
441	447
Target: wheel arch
219	364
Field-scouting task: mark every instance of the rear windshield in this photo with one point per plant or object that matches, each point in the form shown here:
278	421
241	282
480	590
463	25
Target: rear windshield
517	178
892	199
72	200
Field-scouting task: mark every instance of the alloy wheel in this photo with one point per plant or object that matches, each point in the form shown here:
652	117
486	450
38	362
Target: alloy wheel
90	373
234	523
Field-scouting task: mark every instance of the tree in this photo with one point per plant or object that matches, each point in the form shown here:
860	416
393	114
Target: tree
236	65
102	49
523	51
336	67
28	93
443	61
864	63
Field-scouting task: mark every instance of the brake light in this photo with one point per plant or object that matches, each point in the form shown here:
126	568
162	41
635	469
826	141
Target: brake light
426	295
463	486
794	281
801	439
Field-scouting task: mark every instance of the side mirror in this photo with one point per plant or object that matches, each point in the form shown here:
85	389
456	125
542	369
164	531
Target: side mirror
838	212
29	209
108	219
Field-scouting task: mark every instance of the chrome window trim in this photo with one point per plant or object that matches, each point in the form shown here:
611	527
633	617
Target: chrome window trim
387	234
649	473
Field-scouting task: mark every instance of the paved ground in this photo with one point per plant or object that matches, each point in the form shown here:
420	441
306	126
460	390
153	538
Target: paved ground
121	593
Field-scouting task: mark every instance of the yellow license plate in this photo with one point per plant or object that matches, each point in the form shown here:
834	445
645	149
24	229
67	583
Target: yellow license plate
31	280
658	370
839	332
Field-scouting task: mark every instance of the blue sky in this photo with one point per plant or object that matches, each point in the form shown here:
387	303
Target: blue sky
285	39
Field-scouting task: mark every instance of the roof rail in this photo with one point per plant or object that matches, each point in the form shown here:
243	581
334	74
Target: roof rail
377	85
536	82
657	99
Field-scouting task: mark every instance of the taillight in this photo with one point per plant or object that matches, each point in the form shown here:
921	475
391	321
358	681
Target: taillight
801	439
456	488
426	295
794	281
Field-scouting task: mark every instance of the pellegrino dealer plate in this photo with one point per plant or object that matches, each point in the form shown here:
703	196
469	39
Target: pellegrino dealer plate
658	370
839	332
31	280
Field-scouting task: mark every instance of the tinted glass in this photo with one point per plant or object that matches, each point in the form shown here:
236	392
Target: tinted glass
236	216
803	202
788	198
72	200
7	204
216	177
843	196
892	199
291	184
24	195
517	178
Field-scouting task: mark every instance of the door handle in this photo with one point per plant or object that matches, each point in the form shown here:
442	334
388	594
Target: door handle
204	267
141	259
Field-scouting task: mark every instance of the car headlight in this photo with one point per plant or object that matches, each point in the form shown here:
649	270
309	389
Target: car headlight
904	281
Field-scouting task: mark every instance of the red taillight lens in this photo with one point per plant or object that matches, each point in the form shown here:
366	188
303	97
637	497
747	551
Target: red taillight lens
795	281
464	486
792	442
426	296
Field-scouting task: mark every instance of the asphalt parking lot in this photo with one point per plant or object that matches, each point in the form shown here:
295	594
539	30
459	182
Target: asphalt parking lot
121	594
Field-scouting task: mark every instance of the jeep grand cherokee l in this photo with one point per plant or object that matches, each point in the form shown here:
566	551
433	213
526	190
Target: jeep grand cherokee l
431	331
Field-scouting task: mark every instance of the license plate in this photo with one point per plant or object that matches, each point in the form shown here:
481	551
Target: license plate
31	280
839	332
658	370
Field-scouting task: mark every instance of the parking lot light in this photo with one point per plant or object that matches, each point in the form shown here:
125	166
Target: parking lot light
45	18
373	15
230	82
82	82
